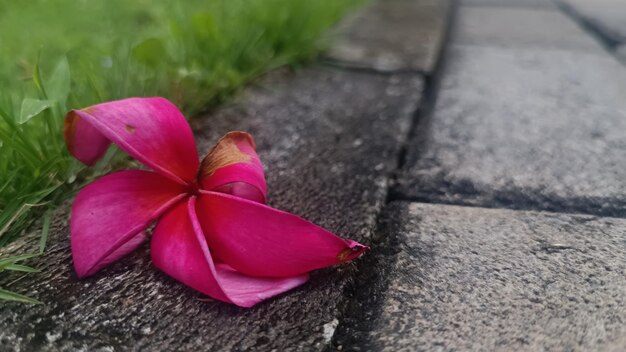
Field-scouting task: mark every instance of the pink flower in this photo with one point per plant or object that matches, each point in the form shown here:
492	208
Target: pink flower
214	232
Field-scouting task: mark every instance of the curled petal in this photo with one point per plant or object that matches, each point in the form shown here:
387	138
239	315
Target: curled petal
151	130
179	249
83	140
110	215
261	241
234	167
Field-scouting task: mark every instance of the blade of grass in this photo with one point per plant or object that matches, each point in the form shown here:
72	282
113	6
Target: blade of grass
12	296
44	231
22	268
4	262
16	215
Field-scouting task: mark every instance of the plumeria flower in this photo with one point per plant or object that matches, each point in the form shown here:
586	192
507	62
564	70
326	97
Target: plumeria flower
214	232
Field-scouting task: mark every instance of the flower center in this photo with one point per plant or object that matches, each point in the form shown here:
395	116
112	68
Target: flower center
193	189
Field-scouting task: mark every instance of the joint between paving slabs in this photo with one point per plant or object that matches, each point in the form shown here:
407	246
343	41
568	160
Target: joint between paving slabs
511	200
608	42
367	292
384	246
422	116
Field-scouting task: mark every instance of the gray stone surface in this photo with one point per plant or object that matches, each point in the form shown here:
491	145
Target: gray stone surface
621	53
329	140
606	16
524	128
510	3
474	279
519	28
391	35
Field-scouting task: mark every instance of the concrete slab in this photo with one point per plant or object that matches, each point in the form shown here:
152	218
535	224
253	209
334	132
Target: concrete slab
519	28
474	279
328	139
522	128
393	35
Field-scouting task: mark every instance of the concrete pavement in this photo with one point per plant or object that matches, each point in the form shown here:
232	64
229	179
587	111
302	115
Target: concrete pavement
489	180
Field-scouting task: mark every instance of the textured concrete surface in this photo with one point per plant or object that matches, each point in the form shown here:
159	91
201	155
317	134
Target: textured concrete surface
523	127
607	17
391	35
519	28
621	53
474	279
328	139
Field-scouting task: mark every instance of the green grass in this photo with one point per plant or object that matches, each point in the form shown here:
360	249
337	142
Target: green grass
63	54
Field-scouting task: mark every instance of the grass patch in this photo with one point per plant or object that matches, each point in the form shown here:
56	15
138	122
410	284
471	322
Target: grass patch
63	54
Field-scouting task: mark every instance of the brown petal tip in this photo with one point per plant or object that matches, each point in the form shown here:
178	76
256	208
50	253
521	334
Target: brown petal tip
69	128
226	152
351	253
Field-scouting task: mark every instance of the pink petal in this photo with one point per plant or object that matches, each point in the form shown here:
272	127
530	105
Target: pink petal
261	241
110	214
151	130
179	249
83	140
234	167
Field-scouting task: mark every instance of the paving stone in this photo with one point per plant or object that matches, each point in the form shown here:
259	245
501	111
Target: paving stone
328	139
606	16
475	279
523	128
510	3
520	27
393	35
